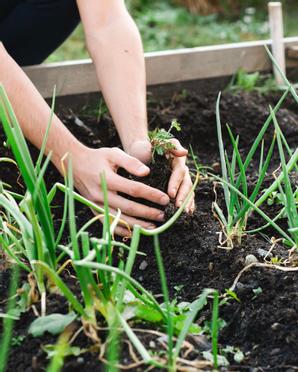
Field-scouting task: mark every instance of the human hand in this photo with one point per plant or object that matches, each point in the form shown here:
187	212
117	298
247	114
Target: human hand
180	182
88	164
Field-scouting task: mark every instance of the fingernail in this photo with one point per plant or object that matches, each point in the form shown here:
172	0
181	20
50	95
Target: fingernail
173	193
143	168
161	217
151	227
187	210
164	200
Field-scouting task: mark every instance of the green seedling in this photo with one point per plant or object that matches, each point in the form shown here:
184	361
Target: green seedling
17	340
244	81
233	223
238	355
238	203
161	139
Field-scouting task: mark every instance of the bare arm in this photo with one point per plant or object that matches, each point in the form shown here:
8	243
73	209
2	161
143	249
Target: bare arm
115	47
33	114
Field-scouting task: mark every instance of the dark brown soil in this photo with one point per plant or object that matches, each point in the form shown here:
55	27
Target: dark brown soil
264	324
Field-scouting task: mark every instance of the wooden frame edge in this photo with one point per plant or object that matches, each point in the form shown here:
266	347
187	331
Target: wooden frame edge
76	77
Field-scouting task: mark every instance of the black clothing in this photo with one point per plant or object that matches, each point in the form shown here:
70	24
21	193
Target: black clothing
32	29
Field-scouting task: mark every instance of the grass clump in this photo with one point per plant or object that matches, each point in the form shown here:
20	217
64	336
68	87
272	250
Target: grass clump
239	203
102	288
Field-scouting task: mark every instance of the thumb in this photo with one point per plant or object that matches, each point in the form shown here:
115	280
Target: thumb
179	150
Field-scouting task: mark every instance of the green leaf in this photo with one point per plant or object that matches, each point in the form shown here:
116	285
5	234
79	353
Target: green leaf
179	323
147	313
53	323
159	150
233	295
176	125
51	351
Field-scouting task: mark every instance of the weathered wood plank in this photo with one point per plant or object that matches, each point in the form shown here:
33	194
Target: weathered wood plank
162	67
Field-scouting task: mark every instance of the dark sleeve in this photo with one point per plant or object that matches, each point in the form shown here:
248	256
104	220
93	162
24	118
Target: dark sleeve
32	29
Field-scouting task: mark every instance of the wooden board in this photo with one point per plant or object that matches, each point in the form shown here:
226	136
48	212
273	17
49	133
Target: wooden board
165	67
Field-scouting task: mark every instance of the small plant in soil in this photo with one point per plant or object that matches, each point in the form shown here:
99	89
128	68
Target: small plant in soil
244	81
234	173
161	139
28	237
239	203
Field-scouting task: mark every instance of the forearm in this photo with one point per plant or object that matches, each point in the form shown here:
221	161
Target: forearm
116	49
33	112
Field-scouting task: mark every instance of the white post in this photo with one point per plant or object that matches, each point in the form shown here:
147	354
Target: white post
276	33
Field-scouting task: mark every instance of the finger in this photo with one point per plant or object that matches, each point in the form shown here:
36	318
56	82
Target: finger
134	209
189	208
184	190
131	221
132	165
192	207
177	176
128	207
179	150
138	190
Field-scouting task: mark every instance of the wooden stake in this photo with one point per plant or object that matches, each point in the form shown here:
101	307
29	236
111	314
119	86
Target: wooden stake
276	32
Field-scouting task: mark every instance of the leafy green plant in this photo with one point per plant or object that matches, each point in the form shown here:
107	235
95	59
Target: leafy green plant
238	203
234	173
288	195
254	81
38	250
161	139
35	234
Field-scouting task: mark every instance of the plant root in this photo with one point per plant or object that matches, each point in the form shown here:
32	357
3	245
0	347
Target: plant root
259	264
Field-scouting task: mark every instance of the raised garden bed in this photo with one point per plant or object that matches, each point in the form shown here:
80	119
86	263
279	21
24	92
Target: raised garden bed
263	324
258	320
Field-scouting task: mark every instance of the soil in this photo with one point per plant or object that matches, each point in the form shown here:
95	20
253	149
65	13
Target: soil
264	324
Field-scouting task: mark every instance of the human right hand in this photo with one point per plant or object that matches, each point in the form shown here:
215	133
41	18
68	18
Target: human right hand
89	164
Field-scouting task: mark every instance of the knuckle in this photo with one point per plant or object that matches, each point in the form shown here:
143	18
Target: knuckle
116	150
129	210
135	191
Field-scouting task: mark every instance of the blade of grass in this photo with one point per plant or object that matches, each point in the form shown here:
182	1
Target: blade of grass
165	292
8	323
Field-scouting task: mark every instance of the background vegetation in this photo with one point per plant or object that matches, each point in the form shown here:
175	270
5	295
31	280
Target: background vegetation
170	24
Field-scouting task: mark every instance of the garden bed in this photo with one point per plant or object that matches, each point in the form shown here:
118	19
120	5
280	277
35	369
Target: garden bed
264	323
